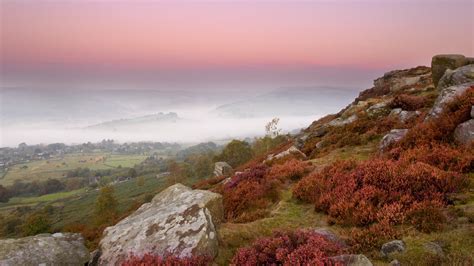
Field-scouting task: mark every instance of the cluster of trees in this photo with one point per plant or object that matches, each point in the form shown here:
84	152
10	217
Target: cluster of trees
35	188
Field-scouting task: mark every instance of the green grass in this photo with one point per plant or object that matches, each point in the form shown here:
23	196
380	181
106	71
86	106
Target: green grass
58	167
44	198
288	214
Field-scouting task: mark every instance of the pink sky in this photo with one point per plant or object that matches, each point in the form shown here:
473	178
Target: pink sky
72	35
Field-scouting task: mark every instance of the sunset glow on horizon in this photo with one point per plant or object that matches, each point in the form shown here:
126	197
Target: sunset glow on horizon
42	36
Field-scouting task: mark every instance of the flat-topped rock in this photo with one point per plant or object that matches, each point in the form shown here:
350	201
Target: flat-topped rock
44	249
178	221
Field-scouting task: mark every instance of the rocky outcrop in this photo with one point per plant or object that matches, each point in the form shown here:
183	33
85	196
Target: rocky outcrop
352	260
290	151
392	137
445	96
395	246
178	221
440	63
457	76
223	169
44	249
464	133
401	79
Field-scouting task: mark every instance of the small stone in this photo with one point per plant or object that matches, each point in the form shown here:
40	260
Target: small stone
392	247
352	260
223	169
395	263
434	248
392	137
290	151
464	133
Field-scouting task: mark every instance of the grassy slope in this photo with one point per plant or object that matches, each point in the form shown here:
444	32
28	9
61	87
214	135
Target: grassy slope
57	168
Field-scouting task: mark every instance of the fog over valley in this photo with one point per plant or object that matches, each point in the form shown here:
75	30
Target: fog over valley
77	116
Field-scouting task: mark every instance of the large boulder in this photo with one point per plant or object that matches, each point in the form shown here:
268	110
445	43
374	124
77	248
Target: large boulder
445	96
44	249
178	221
458	76
440	63
464	133
392	137
223	169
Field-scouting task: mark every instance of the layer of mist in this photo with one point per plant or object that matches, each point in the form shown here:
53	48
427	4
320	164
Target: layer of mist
71	116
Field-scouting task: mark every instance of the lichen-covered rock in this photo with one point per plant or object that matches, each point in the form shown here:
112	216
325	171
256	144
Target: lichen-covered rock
377	108
458	76
44	249
464	133
440	63
392	137
352	260
445	96
403	115
395	246
178	221
343	121
223	169
290	151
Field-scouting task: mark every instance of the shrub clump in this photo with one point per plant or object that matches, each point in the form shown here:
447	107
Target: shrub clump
248	194
408	102
376	191
150	259
300	247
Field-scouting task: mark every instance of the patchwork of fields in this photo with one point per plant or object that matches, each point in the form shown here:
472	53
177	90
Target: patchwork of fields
58	167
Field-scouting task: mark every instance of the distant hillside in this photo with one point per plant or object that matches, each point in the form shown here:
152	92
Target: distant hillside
289	102
148	120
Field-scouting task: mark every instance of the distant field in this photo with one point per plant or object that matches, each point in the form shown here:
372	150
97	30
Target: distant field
58	167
